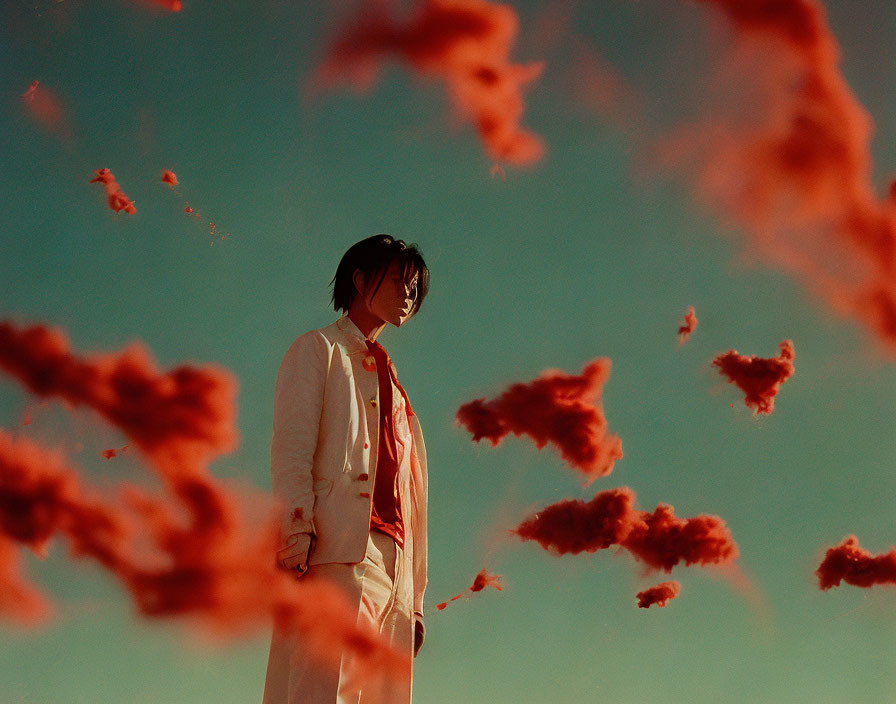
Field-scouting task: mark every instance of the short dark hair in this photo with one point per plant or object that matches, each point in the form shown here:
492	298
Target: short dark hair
373	256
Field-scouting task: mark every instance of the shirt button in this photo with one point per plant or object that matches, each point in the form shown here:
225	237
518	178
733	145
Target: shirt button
364	495
366	445
363	477
373	402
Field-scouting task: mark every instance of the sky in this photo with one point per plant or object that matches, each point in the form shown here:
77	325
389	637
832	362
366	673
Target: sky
594	249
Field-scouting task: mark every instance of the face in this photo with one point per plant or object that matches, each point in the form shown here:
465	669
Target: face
394	298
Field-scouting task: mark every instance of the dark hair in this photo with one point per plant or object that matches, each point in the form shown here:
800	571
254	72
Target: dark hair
373	256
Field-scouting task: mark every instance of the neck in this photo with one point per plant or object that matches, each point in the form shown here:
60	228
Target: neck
368	323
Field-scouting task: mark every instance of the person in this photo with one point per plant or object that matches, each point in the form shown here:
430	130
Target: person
348	464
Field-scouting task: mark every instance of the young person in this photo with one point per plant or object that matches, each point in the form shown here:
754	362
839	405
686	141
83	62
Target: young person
349	465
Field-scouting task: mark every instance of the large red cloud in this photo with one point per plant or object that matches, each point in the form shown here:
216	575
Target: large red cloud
46	108
562	409
194	549
786	155
659	539
850	563
187	412
759	378
467	44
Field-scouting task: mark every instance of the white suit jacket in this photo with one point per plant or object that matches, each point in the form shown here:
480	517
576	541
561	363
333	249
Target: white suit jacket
324	450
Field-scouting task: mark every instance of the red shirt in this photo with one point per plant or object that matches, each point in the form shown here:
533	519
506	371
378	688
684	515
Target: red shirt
385	515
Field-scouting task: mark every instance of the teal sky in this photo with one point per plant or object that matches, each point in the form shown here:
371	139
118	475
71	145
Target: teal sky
572	259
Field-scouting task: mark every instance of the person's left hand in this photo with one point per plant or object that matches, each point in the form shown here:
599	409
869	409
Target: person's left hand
418	635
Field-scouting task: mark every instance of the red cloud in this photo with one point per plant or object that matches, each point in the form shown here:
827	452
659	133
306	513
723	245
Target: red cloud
791	161
854	565
45	106
660	538
117	199
191	551
169	178
760	379
187	412
467	44
562	409
658	595
690	324
482	580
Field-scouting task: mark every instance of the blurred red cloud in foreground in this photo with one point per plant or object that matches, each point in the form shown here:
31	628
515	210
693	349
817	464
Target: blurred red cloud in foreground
192	550
482	580
558	408
760	379
466	43
660	538
659	594
854	565
117	199
689	325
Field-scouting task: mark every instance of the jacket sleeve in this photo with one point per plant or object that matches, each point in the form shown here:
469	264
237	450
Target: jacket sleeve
298	401
420	534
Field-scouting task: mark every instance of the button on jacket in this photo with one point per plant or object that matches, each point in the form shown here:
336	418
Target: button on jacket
324	450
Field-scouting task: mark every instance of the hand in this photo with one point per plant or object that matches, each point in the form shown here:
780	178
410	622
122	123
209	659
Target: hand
295	555
418	635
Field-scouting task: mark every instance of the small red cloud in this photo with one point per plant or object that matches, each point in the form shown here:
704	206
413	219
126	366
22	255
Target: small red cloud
690	324
660	538
113	452
760	379
45	107
169	178
659	594
467	44
854	565
558	408
483	579
117	199
497	170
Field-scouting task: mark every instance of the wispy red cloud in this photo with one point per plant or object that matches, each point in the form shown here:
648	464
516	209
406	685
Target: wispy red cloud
562	409
659	594
785	155
46	108
465	43
482	580
660	539
116	197
759	378
851	563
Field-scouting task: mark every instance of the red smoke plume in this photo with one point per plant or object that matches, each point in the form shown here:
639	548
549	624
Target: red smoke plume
482	580
117	199
660	538
759	378
658	595
190	551
557	408
792	160
467	44
854	565
690	324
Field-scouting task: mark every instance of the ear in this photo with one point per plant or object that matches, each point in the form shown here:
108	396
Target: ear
358	281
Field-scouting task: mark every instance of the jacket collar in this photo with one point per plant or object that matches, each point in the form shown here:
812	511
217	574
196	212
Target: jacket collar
352	334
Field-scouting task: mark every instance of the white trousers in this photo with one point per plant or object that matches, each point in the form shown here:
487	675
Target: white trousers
381	586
